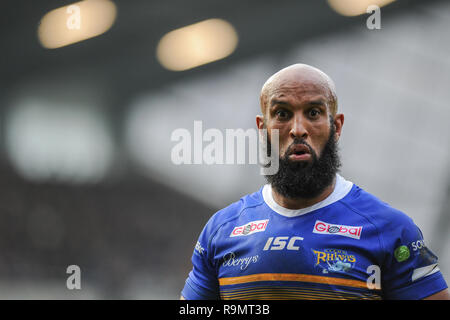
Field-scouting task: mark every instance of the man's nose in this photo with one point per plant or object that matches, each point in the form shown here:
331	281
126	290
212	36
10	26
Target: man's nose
298	129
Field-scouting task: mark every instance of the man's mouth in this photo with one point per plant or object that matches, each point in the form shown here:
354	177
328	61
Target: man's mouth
299	152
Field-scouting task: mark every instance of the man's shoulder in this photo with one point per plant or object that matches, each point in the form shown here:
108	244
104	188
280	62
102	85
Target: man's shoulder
373	208
234	210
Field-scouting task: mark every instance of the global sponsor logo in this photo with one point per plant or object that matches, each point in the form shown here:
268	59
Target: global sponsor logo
250	228
322	227
334	260
230	260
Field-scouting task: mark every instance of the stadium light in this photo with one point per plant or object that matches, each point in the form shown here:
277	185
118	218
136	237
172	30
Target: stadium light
196	44
76	22
355	7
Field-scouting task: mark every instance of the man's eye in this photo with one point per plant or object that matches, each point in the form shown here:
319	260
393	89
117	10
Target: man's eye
314	113
282	114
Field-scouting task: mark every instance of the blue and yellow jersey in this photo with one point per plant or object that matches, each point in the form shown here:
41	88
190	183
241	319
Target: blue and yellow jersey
349	246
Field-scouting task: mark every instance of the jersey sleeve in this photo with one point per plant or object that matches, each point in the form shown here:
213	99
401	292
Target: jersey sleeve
202	283
410	270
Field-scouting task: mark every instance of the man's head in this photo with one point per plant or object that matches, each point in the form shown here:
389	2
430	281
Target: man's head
300	102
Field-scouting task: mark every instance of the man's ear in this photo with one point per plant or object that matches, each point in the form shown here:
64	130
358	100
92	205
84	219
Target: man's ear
260	122
338	123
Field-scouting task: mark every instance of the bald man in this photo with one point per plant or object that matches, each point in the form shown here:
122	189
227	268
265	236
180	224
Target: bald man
309	233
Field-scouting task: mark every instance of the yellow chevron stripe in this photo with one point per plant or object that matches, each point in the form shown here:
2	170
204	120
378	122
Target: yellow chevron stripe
264	291
291	296
310	292
287	296
298	294
271	297
294	293
292	277
288	288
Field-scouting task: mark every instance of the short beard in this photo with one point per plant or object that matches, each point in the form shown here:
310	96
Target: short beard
307	180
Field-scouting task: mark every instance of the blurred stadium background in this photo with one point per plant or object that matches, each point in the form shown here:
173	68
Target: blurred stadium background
85	170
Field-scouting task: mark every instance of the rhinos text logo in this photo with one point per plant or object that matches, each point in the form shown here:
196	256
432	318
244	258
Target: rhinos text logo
334	260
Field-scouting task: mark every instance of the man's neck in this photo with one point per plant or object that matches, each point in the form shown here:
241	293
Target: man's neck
300	203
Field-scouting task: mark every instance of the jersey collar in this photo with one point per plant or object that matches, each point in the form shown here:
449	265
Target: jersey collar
341	189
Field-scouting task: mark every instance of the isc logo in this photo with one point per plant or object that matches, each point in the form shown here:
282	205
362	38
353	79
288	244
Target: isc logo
279	243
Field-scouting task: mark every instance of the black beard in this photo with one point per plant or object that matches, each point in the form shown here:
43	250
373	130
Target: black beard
306	180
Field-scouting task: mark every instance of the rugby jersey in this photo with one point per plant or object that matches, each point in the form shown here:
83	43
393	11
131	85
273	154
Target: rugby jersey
351	245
